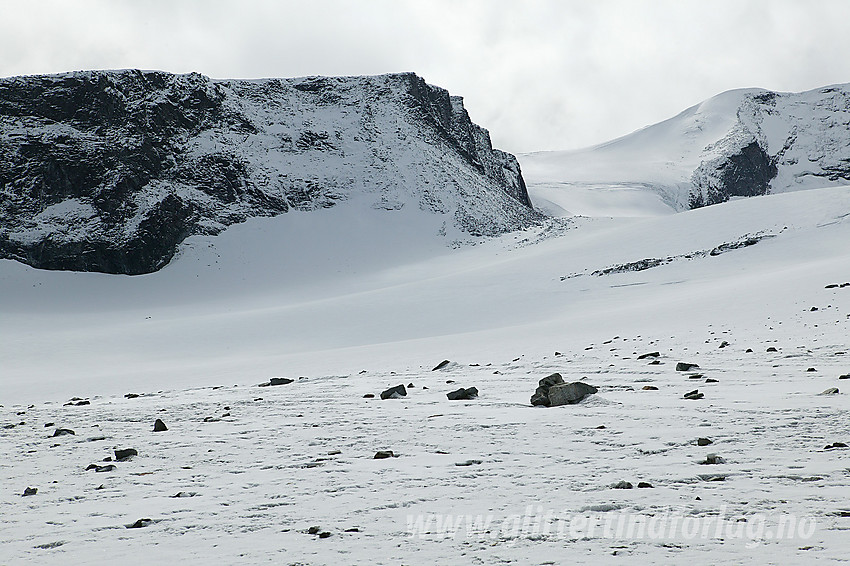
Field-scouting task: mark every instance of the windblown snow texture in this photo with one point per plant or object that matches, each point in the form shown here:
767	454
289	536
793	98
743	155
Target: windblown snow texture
111	170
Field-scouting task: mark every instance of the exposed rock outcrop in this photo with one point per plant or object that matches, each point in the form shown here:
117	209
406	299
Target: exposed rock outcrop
111	170
746	172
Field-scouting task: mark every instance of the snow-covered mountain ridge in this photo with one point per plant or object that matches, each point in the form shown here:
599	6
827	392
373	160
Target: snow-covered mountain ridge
111	170
740	143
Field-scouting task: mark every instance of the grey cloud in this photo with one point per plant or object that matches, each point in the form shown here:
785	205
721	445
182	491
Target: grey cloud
544	74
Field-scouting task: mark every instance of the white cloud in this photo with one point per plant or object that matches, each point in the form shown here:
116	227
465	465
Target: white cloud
543	74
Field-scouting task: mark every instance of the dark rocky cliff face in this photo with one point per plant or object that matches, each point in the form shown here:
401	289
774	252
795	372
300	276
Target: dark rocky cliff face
780	142
744	173
111	171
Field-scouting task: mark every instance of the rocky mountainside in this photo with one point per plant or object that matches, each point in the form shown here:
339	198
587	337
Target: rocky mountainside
740	143
111	170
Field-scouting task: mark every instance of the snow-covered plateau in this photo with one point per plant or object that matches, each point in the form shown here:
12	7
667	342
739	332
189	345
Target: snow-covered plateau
349	300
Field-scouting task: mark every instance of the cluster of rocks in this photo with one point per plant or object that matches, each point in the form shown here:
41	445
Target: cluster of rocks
399	391
628	485
121	454
553	391
317	530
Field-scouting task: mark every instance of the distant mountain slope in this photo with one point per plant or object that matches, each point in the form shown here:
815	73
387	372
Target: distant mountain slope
110	170
740	143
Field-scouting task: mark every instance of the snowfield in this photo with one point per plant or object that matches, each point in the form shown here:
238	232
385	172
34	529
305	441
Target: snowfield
350	300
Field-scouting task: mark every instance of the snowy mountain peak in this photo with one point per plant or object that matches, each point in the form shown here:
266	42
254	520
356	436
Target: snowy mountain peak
740	143
110	170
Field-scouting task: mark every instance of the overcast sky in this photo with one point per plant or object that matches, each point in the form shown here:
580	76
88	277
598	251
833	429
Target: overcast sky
539	74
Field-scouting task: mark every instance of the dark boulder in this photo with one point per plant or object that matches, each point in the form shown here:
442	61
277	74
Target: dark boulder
63	432
463	394
30	491
383	454
159	426
441	365
683	366
125	454
569	393
277	381
649	355
396	392
140	524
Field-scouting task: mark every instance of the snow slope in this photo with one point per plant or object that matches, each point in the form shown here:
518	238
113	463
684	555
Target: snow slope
387	302
806	136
